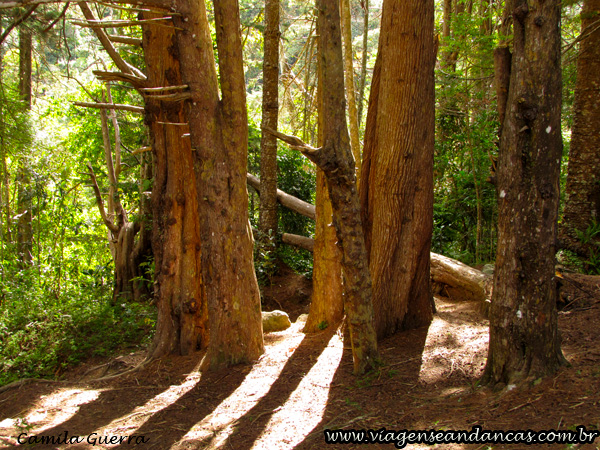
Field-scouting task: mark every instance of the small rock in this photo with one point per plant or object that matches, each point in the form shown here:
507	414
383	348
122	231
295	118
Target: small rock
275	321
302	318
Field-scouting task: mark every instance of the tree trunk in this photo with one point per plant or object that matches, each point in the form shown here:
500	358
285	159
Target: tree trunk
524	340
219	136
182	325
270	110
349	83
363	62
335	159
23	178
397	185
582	206
327	303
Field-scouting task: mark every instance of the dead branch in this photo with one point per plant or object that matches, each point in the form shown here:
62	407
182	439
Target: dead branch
111	226
166	88
55	21
130	108
107	44
135	81
298	241
177	97
17	22
125	40
295	143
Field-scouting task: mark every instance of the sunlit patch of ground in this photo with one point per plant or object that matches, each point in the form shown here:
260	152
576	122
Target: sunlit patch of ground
304	384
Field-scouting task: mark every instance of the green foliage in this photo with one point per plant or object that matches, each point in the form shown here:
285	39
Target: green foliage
43	335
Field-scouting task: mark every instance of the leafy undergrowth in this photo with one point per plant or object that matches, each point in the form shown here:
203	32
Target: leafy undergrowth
42	336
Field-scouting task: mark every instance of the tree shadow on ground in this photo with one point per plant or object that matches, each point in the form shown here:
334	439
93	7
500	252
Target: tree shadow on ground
212	420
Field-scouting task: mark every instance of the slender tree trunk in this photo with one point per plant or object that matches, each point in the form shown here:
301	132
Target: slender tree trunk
397	185
524	340
219	136
334	157
582	206
363	62
182	325
270	110
327	303
23	178
349	83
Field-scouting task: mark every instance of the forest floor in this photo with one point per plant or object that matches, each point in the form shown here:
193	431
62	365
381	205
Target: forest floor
303	384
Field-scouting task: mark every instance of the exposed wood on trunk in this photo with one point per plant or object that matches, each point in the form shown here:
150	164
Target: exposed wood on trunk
219	134
182	324
287	200
327	304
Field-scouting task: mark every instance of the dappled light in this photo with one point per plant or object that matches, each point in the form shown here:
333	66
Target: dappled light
51	410
219	425
305	407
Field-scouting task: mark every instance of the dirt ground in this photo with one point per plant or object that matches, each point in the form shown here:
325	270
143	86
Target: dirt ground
303	385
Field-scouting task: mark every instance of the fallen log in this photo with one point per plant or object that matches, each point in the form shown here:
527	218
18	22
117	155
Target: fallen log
450	278
453	279
287	200
298	241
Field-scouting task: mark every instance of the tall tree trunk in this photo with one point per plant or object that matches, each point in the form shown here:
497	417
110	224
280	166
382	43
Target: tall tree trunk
363	61
182	325
219	136
582	206
349	83
23	178
327	303
334	157
270	110
397	185
524	340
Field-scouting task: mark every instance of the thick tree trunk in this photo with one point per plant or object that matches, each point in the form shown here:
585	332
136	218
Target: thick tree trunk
182	325
270	110
582	206
363	62
219	135
397	185
524	340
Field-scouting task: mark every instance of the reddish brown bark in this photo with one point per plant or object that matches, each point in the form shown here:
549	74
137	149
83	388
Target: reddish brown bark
397	185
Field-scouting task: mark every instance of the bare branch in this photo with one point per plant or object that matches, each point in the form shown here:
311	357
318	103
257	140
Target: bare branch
295	144
6	4
60	16
17	22
130	108
135	81
168	88
110	49
170	97
126	40
111	226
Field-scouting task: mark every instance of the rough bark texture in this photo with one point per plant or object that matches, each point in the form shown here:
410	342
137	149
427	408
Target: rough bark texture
219	135
270	111
363	61
582	206
182	325
327	303
335	159
397	184
524	340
